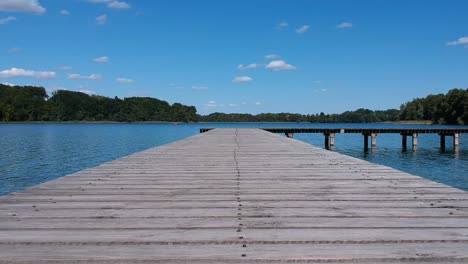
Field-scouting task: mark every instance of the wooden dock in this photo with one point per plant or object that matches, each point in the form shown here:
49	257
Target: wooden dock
235	196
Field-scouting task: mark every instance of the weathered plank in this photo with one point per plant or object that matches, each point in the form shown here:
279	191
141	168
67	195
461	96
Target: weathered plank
236	196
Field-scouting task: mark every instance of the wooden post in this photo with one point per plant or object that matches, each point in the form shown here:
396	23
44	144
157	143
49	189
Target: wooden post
373	140
415	141
442	142
456	140
327	140
332	139
366	141
404	140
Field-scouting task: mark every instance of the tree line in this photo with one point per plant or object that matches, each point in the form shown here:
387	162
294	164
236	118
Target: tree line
29	103
450	108
358	116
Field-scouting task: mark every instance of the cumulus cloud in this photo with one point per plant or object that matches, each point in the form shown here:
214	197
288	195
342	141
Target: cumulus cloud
199	88
272	56
118	5
211	104
280	65
76	76
345	25
102	59
88	92
460	41
54	88
64	12
65	68
242	79
14	50
124	80
7	20
16	72
26	6
112	3
8	84
302	29
283	24
101	20
250	66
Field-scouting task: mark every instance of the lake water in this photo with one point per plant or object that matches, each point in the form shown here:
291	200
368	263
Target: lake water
34	153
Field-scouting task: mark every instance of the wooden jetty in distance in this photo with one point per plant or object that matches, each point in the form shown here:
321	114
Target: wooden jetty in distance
235	196
330	134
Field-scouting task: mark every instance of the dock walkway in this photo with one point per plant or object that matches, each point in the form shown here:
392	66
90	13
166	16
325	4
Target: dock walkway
235	196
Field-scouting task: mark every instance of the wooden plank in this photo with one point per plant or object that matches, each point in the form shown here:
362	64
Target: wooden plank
235	196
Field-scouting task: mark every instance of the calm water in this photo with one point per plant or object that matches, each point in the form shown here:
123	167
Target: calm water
34	153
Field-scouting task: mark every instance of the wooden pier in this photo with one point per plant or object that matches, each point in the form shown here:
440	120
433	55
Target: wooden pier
330	134
235	196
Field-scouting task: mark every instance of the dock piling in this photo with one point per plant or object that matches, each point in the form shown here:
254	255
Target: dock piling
374	140
366	141
456	140
404	140
442	142
415	141
329	140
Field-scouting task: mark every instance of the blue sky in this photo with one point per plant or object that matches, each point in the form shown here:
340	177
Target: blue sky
239	56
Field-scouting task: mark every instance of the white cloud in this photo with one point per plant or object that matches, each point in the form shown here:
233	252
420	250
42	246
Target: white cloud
302	29
118	5
460	41
250	66
76	76
242	79
54	88
199	88
7	20
111	3
101	20
124	80
345	25
26	6
15	72
98	1
233	105
8	84
272	56
280	65
283	24
13	50
65	68
64	12
211	104
244	103
258	103
102	59
88	92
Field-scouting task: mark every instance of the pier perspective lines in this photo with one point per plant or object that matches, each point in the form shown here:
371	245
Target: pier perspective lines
236	196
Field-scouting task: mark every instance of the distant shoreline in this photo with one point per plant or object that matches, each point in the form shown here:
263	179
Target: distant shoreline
405	122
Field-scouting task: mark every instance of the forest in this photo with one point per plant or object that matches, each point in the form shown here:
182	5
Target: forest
29	103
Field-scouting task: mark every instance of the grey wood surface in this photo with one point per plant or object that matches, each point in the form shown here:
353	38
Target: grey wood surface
236	196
